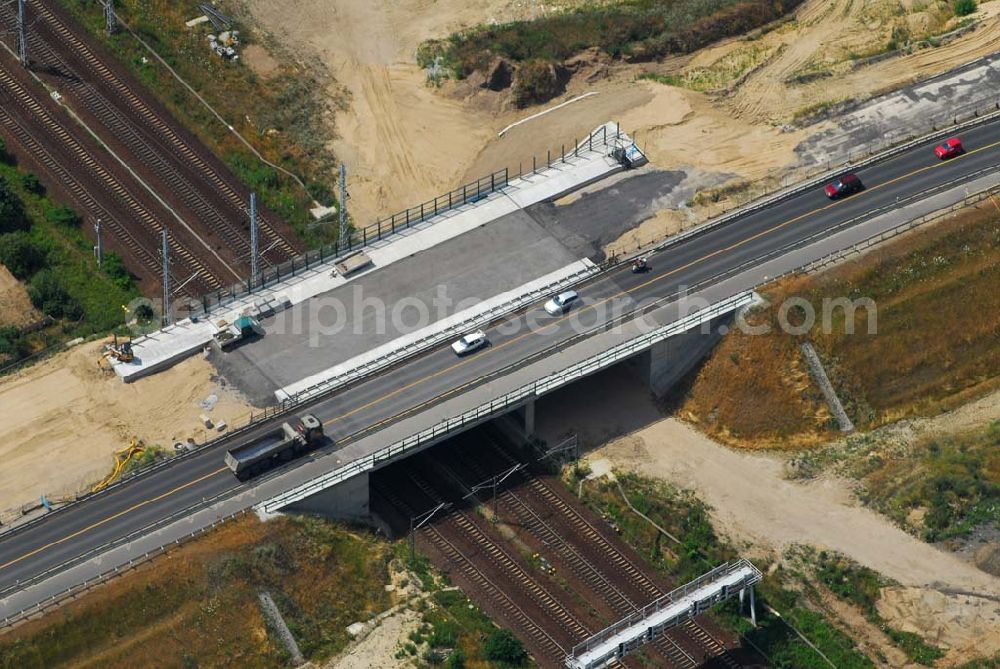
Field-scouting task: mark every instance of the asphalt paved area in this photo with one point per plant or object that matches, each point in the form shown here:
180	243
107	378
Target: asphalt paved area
27	552
424	288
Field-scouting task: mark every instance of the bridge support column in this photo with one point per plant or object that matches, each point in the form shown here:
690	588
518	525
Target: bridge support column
348	500
667	362
529	419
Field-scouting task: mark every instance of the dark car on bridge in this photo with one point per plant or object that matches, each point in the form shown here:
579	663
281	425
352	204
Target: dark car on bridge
844	186
949	149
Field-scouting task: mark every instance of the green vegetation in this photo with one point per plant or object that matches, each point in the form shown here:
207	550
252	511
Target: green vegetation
283	113
953	483
964	7
861	587
503	647
201	602
41	243
683	515
634	29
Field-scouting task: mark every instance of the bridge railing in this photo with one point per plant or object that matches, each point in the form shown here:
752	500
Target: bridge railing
749	574
503	403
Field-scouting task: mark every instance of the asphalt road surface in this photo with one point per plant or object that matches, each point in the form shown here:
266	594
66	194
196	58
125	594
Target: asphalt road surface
66	534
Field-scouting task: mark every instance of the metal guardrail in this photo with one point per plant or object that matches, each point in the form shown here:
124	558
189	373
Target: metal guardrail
469	193
284	409
599	138
887	149
831	258
419	346
752	576
507	400
119	570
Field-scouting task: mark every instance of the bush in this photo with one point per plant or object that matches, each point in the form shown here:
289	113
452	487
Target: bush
113	266
48	294
964	7
30	183
456	660
21	255
63	215
503	646
12	218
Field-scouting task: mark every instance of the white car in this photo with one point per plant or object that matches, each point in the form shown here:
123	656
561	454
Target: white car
470	342
561	303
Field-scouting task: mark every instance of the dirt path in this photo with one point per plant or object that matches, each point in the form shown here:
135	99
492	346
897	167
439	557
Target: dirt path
752	500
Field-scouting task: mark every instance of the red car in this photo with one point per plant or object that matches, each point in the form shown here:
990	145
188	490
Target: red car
845	185
951	148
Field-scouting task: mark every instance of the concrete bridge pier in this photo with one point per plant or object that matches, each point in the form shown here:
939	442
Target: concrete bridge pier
664	364
348	500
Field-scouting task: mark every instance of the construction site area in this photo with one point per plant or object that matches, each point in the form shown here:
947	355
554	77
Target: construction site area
471	334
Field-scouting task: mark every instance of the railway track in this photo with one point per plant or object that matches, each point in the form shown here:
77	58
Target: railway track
590	536
95	188
212	179
516	617
213	243
584	568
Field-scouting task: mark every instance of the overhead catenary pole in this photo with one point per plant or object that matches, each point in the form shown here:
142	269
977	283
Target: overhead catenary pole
109	16
22	36
165	319
99	247
254	255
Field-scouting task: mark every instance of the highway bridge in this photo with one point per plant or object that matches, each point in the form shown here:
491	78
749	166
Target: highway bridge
41	558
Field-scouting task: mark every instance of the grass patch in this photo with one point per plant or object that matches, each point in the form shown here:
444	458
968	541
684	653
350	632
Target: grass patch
638	29
50	254
932	349
862	587
283	113
200	605
683	515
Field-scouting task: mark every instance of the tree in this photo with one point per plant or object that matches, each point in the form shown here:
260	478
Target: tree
48	294
21	255
503	646
12	216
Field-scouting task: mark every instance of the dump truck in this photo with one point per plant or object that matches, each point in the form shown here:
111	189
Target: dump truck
291	439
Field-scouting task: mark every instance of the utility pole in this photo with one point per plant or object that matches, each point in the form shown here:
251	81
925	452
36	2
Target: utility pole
109	16
254	256
165	319
22	36
99	247
342	235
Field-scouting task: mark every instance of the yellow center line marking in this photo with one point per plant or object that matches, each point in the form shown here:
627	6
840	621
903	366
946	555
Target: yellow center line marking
112	517
509	342
646	284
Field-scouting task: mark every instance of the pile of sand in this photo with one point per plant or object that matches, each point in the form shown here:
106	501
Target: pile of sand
63	420
15	306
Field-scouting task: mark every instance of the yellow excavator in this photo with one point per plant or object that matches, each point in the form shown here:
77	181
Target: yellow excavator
120	352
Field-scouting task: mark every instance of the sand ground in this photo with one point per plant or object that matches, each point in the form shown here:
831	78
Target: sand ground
15	307
753	503
64	419
404	141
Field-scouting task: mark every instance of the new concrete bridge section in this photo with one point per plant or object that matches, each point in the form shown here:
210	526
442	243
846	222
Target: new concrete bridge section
428	390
